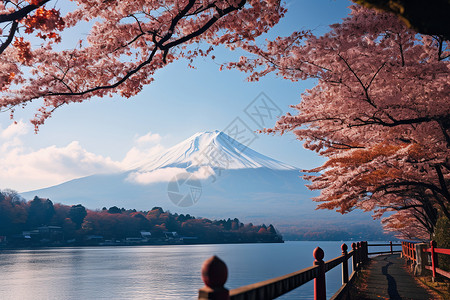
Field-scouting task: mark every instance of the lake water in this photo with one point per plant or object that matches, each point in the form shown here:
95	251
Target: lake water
152	272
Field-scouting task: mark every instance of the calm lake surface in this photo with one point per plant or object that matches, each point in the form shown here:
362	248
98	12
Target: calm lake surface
152	272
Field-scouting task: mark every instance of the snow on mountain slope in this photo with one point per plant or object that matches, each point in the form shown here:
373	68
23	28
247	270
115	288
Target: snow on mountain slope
215	149
242	183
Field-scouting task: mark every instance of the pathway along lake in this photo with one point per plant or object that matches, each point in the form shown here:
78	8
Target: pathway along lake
152	272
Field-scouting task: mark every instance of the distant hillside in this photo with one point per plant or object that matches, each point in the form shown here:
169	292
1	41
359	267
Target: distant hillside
41	223
214	176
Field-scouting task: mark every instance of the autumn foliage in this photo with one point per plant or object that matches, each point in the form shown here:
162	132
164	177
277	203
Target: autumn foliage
379	112
78	224
45	21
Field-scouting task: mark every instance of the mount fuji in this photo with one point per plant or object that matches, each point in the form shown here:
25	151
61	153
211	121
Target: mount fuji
210	175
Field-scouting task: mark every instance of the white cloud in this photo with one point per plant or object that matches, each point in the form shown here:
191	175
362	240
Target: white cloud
147	147
149	138
137	155
159	175
27	170
10	136
24	169
167	174
13	130
204	172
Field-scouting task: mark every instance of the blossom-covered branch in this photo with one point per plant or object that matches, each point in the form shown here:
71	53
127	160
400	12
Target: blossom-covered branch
127	44
379	112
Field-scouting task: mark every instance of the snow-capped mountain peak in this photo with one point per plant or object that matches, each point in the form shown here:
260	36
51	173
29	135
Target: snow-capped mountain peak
215	149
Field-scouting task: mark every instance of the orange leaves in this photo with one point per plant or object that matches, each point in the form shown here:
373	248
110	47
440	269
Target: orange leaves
359	157
45	21
338	201
51	35
23	50
376	176
6	80
262	230
331	200
364	156
35	2
417	152
379	152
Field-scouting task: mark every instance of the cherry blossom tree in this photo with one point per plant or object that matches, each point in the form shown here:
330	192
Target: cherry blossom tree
404	225
128	42
379	112
13	12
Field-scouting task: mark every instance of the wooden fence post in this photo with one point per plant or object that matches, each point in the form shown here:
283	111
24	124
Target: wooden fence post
433	259
344	264
214	275
365	251
407	250
355	257
320	292
403	250
390	244
421	259
358	246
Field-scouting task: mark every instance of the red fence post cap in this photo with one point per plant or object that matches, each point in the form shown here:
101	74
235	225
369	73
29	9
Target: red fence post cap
344	247
433	243
353	246
318	254
214	272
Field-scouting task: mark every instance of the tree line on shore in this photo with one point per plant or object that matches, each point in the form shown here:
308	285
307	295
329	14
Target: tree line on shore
80	226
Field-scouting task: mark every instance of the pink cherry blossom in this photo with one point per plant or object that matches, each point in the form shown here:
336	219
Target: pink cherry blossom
128	43
379	112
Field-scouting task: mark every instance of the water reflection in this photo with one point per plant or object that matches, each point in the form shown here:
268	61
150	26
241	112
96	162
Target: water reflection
151	272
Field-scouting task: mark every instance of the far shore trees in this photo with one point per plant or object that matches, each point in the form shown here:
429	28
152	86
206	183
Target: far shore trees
29	223
379	112
77	213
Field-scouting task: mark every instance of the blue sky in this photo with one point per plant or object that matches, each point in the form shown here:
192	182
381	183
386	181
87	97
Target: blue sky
105	135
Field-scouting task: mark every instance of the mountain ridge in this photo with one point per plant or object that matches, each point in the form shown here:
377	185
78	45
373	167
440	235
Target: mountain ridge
216	149
250	186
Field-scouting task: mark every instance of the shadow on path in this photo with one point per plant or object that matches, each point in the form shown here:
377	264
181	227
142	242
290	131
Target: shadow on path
387	278
392	284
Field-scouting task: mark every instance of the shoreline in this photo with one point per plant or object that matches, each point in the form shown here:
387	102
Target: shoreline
130	245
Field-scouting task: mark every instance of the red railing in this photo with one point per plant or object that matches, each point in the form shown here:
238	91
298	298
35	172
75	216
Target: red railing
215	273
416	254
409	251
434	261
391	248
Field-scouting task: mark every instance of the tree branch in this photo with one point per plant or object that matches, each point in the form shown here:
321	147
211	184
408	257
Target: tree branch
21	13
8	41
159	45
